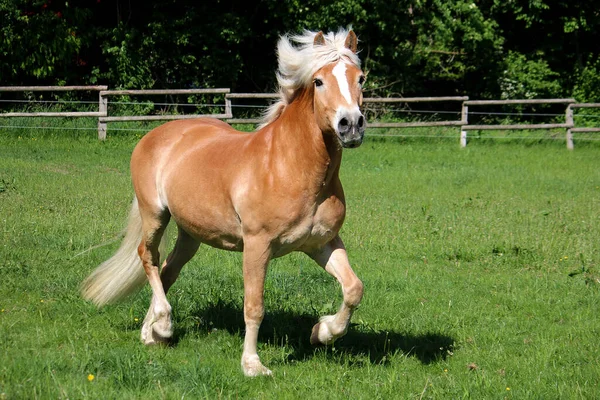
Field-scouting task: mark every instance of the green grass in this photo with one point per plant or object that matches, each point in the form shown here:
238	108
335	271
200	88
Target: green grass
481	268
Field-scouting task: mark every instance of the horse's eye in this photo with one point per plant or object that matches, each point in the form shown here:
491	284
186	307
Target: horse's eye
361	80
318	82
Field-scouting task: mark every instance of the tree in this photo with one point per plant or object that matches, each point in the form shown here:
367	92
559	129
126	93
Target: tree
38	42
484	49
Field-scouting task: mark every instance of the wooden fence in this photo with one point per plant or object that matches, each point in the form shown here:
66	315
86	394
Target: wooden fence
566	125
573	129
103	107
98	113
227	106
232	96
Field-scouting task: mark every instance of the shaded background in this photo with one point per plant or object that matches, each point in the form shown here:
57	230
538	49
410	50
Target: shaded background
482	49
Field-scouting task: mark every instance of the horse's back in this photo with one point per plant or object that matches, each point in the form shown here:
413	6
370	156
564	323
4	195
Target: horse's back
171	132
185	166
179	136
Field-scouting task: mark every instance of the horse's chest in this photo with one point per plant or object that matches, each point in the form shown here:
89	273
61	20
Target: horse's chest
328	220
316	228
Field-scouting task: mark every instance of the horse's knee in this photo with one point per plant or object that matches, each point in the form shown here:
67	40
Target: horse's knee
253	312
353	293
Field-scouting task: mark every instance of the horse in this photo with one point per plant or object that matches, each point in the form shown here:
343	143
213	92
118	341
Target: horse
265	193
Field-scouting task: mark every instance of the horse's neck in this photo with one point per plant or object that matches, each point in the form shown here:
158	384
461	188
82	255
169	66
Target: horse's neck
298	138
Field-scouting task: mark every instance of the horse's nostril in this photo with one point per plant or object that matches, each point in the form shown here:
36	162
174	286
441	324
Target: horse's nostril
343	126
361	121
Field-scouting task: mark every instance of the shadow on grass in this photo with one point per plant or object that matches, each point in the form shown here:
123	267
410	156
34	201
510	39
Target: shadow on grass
293	329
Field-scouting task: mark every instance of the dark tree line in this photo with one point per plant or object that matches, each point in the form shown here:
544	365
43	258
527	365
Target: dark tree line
484	49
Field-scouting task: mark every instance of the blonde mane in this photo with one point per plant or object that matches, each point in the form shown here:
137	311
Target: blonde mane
297	64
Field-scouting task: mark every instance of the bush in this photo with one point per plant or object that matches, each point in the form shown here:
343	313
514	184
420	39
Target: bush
528	79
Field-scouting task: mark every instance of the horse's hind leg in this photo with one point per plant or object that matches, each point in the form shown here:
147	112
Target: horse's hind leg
334	259
157	327
185	248
154	223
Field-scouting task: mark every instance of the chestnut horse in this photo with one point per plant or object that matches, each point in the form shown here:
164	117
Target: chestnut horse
267	193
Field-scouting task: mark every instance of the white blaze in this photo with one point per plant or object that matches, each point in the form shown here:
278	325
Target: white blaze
339	71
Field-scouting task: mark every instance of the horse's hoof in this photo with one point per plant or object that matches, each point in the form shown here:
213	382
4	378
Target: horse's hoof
164	331
150	336
157	342
258	371
321	335
252	367
314	335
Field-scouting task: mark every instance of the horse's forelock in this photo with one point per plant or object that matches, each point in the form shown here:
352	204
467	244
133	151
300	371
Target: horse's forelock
297	64
299	59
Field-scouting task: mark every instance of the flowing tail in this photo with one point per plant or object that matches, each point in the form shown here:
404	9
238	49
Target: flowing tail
123	273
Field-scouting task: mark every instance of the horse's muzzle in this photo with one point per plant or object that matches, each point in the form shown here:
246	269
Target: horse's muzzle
351	130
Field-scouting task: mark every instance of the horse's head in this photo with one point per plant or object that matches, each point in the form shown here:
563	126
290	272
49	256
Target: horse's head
328	69
338	96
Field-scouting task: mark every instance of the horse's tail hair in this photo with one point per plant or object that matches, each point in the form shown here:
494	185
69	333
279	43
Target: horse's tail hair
123	273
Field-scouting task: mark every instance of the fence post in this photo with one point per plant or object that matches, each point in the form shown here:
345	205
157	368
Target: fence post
228	111
463	137
464	118
569	139
103	109
569	121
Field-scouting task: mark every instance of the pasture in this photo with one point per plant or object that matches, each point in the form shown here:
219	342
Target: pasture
481	269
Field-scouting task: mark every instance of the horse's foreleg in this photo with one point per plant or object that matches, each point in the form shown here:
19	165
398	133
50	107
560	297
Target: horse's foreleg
256	258
333	259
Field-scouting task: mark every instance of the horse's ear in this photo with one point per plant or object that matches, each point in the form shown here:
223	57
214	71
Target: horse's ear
319	39
351	41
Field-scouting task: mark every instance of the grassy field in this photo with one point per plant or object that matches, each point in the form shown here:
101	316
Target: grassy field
481	268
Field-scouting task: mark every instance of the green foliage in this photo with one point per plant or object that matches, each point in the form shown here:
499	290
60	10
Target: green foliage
131	68
451	34
587	86
409	48
528	79
37	40
587	90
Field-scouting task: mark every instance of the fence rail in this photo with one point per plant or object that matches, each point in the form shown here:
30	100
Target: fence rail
227	106
54	114
402	100
567	124
51	88
574	129
103	106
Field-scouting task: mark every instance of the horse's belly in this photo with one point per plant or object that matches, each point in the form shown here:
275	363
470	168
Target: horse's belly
208	221
224	235
223	242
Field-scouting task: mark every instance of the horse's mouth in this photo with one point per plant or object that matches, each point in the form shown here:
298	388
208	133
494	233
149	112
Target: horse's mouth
352	145
351	142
